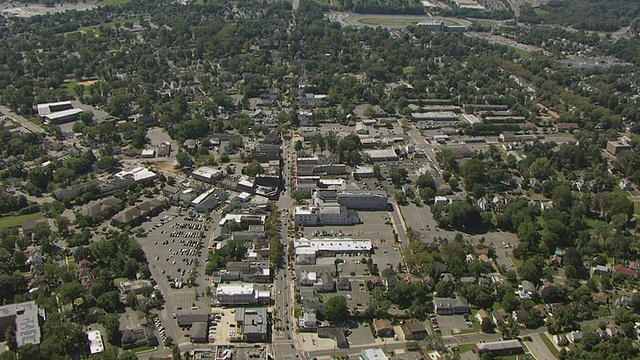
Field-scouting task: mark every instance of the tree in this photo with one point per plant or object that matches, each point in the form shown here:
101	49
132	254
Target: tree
398	176
487	326
253	168
111	325
298	145
183	158
400	196
336	309
445	288
10	339
86	117
510	302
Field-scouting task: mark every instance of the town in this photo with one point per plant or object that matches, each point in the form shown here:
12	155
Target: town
420	180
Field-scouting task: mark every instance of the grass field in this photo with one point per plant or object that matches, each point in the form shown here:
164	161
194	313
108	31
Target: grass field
15	221
522	53
70	86
550	345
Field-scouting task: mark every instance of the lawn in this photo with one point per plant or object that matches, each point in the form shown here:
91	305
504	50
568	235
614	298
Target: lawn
15	221
70	86
550	345
636	207
466	347
522	53
143	349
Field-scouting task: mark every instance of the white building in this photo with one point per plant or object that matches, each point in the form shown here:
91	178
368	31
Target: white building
382	155
241	294
332	214
332	246
96	345
138	174
373	354
208	200
362	129
363	200
207	174
364	172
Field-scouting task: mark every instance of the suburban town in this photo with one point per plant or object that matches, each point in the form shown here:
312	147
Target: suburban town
319	180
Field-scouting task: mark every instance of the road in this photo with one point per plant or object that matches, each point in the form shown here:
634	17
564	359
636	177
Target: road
284	320
538	348
22	121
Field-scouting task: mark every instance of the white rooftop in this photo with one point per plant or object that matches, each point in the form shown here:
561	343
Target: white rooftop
96	346
138	174
234	289
61	114
206	172
334	244
203	196
44	109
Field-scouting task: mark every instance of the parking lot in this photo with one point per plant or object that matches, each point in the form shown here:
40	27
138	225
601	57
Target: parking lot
452	324
387	256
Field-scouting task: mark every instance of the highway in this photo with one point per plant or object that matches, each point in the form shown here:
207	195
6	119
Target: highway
21	121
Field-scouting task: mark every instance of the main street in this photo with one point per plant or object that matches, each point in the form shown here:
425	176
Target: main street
21	121
283	340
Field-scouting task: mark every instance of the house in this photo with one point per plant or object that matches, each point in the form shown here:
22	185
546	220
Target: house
560	340
373	354
612	331
482	315
498	317
574	336
308	320
449	306
624	271
344	284
199	332
414	330
601	298
601	334
138	336
623	301
526	289
601	270
383	328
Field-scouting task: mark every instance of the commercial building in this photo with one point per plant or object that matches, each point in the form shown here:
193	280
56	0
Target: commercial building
253	324
136	215
241	294
52	107
616	147
61	117
24	318
136	337
207	174
382	155
135	286
363	172
199	332
362	129
245	220
332	246
308	320
96	345
328	214
450	306
209	200
363	200
496	348
373	354
435	116
187	320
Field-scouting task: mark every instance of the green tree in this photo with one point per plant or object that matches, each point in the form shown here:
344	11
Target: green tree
336	310
487	326
253	168
398	176
183	158
10	339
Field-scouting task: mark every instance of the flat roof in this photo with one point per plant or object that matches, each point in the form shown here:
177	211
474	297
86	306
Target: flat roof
234	289
44	109
61	114
96	345
206	172
373	354
26	320
382	153
334	244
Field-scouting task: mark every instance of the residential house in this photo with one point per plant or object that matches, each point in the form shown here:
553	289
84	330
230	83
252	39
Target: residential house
136	337
383	328
526	289
83	273
623	301
601	298
308	320
414	330
498	317
560	339
482	315
601	270
624	271
574	336
601	334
